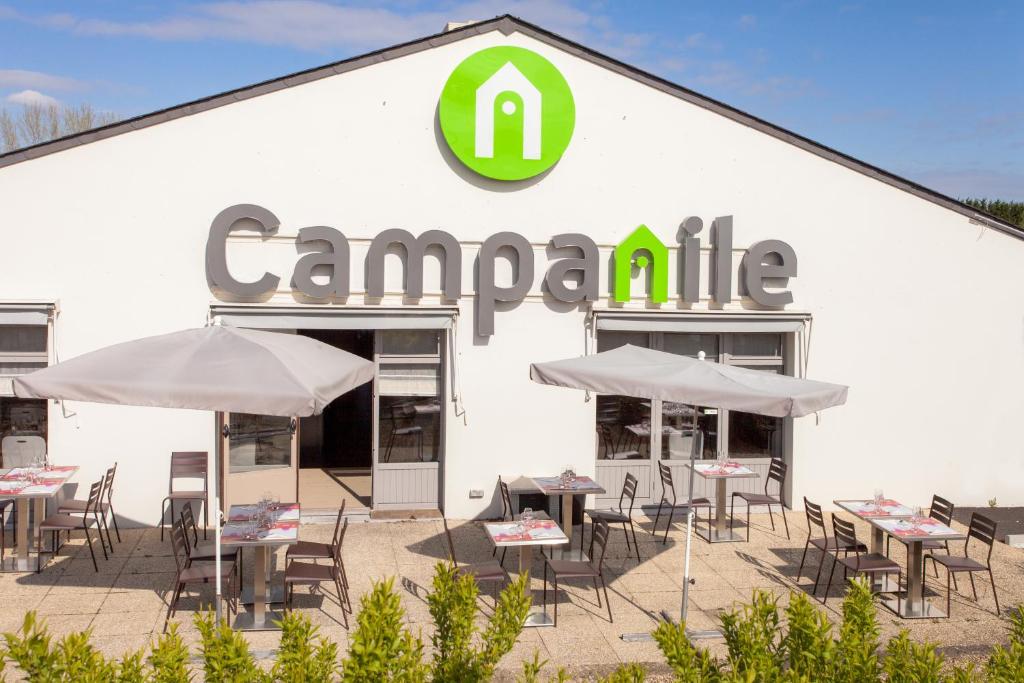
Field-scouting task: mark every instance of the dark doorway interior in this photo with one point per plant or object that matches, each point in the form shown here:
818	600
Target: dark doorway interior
342	437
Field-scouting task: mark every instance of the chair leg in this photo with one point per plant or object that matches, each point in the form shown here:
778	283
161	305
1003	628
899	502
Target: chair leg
817	576
555	598
113	518
974	588
163	515
636	545
802	559
949	594
995	597
598	591
828	587
748	522
607	601
341	601
732	516
771	515
170	605
625	532
91	552
785	523
671	511
657	516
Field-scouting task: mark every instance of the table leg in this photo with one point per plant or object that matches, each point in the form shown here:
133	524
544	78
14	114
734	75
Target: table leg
536	617
721	528
21	535
881	583
567	516
39	514
913	605
261	618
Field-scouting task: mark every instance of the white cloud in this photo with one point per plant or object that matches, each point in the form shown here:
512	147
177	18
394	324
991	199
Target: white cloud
748	21
32	97
21	78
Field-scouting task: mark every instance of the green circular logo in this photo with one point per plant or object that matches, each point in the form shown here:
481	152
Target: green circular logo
507	113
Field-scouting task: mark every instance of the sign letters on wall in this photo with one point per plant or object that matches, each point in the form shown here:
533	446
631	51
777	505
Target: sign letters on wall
640	251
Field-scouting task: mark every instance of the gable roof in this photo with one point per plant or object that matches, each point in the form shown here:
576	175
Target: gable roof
507	24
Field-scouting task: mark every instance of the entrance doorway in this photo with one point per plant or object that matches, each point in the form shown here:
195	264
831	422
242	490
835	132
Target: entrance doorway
336	447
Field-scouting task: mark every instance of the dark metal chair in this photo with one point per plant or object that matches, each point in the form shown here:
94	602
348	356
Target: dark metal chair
815	519
573	569
188	574
507	514
666	487
861	562
776	473
64	522
403	416
941	510
312	550
482	572
617	516
983	530
312	574
78	507
187	465
206	551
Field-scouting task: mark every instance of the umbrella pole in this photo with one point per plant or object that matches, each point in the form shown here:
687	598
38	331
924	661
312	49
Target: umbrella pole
216	515
696	446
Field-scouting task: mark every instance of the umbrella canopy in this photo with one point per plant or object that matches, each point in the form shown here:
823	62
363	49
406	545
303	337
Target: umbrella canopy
215	368
633	371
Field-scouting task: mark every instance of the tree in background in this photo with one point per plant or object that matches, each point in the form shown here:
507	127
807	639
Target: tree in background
1011	212
32	124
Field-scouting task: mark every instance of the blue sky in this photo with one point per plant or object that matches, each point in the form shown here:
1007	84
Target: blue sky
932	91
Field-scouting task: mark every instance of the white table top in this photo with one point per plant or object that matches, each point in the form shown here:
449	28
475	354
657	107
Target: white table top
542	530
283	529
723	470
14	483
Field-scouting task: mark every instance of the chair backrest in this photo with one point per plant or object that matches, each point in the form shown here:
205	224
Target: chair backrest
188	465
179	544
776	473
982	529
451	544
666	482
600	540
337	522
814	517
92	503
339	542
188	523
846	533
628	491
941	510
108	483
506	500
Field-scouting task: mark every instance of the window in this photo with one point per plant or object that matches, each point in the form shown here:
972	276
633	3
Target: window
624	424
24	348
409	389
259	442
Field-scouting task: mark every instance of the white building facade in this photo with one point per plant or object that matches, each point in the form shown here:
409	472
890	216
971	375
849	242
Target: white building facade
801	261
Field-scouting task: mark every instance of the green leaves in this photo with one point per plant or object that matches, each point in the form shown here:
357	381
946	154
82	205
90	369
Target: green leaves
688	664
382	649
226	655
304	656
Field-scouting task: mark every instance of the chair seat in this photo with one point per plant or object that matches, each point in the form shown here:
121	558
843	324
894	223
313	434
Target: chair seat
830	544
309	550
61	522
624	455
607	515
571	568
79	506
959	563
756	498
484	571
204	572
307	572
192	495
870	563
697	502
405	431
205	551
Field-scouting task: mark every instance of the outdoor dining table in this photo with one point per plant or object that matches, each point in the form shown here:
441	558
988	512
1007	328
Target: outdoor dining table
525	534
721	473
282	529
555	486
17	483
899	521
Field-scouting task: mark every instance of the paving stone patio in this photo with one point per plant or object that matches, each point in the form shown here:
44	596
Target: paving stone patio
124	604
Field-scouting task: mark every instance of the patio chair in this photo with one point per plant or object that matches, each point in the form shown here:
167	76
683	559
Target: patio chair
616	516
403	417
941	510
206	551
312	550
78	507
483	572
507	514
187	465
63	522
815	519
574	569
983	530
861	562
666	487
312	574
776	473
188	574
604	433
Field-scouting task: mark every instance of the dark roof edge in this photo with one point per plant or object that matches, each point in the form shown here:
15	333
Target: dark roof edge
507	25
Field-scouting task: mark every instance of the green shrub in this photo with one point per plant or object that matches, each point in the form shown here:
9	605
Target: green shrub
1006	664
226	655
303	656
688	663
168	659
382	649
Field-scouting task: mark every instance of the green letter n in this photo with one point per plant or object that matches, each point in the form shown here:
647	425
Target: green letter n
642	239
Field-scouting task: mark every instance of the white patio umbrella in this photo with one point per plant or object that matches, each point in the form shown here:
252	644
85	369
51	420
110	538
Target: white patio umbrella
644	373
222	369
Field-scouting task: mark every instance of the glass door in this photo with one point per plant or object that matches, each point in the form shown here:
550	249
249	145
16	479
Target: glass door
260	455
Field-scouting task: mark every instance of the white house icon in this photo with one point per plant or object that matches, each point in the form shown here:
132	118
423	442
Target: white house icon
507	78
